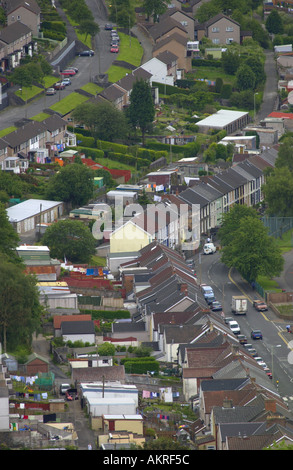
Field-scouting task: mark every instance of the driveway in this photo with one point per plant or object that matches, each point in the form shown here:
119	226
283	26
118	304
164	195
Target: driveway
271	87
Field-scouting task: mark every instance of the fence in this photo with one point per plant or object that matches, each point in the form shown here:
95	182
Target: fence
277	226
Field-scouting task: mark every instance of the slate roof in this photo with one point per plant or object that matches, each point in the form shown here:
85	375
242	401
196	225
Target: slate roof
173	37
24	133
167	57
13	32
93	374
59	319
30	5
164	27
54	122
223	384
77	327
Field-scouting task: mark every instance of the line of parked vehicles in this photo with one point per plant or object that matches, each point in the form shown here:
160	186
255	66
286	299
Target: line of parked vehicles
115	40
66	81
238	307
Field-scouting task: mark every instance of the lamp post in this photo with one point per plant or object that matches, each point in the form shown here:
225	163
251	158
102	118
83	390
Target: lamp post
254	106
275	346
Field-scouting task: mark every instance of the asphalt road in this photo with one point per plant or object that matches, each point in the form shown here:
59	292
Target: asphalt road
275	348
89	68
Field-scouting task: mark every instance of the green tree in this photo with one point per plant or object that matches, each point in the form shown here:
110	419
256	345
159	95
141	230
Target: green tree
155	8
231	220
73	184
105	122
106	349
22	77
252	251
278	192
274	23
71	239
9	239
257	67
207	11
141	111
230	61
245	78
285	154
20	310
89	28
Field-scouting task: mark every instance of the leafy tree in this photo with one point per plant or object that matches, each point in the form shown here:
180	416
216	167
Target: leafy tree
141	111
73	184
285	154
207	11
230	61
274	23
9	239
245	78
104	121
88	27
155	8
278	192
257	67
106	349
71	239
231	220
251	250
22	77
20	309
122	13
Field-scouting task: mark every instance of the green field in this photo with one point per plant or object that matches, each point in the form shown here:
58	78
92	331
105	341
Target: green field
115	73
68	103
27	93
130	51
92	88
7	131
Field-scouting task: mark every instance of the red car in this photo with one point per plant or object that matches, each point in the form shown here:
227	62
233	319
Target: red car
59	86
115	49
69	72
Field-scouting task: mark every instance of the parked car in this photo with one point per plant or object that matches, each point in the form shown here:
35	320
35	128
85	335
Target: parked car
68	72
216	306
234	327
260	361
260	305
210	299
114	49
75	69
256	334
114	42
66	81
88	53
59	86
50	91
252	352
228	319
108	27
242	339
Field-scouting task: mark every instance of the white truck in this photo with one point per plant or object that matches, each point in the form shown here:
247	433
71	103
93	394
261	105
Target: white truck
239	305
209	249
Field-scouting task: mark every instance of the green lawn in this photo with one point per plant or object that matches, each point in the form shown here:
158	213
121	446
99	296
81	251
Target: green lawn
49	80
68	103
82	37
28	92
92	88
115	73
7	131
130	52
212	73
40	117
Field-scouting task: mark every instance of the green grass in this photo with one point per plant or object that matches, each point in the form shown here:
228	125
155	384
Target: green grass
92	88
130	52
7	131
115	73
49	80
68	103
212	73
82	37
28	92
98	261
286	242
40	117
268	284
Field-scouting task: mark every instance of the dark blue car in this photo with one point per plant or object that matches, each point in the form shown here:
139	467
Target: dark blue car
256	334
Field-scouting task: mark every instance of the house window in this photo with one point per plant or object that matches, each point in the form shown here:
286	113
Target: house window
216	41
215	30
229	40
18	17
184	23
229	29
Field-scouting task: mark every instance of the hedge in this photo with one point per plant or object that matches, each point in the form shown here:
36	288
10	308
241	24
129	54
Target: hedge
107	314
141	366
85	141
206	63
53	35
95	154
176	149
169	89
128	159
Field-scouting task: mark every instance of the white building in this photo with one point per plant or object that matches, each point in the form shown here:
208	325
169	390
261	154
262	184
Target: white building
26	215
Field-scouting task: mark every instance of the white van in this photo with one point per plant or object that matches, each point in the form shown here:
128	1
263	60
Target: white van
209	249
234	327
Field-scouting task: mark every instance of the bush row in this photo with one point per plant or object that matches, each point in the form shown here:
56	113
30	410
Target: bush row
206	63
107	314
